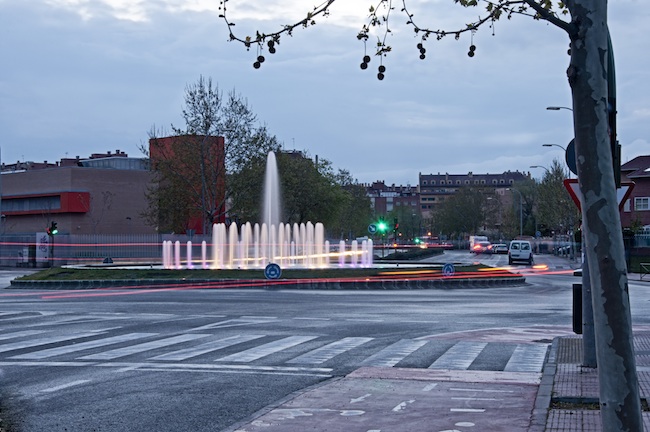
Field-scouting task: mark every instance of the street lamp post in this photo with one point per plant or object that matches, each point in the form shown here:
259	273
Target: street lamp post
540	166
557	108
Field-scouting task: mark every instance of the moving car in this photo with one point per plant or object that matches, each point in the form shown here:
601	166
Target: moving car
520	250
500	248
482	247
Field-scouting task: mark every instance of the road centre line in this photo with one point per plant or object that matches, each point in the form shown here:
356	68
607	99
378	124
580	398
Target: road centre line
475	399
467	410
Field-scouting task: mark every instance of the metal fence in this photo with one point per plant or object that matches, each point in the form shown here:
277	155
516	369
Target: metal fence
34	250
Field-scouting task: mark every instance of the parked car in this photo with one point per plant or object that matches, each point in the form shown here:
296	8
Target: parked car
482	247
520	250
500	248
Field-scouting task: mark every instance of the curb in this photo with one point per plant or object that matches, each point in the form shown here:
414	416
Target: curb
545	391
312	284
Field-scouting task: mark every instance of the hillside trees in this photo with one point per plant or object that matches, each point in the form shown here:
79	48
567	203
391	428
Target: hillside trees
585	24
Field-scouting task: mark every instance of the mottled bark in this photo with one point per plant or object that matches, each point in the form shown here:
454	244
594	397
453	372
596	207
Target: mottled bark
587	73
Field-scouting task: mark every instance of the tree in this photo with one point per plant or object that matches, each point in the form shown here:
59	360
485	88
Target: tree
595	144
462	213
554	208
355	212
309	190
191	171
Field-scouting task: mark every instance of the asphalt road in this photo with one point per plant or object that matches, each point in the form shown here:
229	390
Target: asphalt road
204	360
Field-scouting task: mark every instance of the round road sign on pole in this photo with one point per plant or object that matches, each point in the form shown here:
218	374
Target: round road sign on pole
448	270
272	271
372	228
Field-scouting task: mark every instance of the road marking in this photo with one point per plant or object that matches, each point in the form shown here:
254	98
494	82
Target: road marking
467	410
312	319
236	323
527	358
475	399
20	334
481	390
64	386
206	348
360	399
322	354
42	341
459	356
138	348
402	406
266	349
393	354
429	387
51	352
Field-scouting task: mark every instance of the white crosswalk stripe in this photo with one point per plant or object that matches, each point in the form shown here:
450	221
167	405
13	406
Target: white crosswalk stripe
266	349
205	348
393	354
147	346
459	356
527	358
322	354
43	341
67	349
20	334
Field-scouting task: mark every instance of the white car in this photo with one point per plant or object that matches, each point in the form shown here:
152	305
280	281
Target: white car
520	250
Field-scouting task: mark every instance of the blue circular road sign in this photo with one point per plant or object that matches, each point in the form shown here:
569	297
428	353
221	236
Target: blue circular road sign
448	270
272	271
372	228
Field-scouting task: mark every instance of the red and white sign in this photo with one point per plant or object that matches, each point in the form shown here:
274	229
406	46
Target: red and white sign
622	193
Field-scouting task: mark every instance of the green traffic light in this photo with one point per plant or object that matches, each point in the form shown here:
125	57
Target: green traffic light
381	226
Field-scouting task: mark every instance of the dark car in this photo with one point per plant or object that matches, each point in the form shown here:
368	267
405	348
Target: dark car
482	247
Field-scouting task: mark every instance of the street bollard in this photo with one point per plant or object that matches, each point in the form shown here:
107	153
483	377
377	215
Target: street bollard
577	308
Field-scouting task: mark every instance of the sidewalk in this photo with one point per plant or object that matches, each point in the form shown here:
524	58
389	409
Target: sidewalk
563	398
574	399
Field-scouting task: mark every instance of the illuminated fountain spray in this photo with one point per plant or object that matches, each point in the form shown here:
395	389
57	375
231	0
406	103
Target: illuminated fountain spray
254	246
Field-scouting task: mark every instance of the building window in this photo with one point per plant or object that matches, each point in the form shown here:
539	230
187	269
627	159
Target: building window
424	182
457	182
466	182
494	181
641	203
627	206
433	182
482	181
32	204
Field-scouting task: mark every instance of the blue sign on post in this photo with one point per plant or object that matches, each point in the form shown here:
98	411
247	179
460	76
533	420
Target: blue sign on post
448	270
372	228
272	271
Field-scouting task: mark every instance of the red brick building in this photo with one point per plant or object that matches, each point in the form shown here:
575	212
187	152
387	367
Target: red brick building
636	210
99	195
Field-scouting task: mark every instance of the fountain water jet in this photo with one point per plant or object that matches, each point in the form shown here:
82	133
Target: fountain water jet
255	246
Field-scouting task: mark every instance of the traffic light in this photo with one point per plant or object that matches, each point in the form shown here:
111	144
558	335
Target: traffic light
53	230
395	225
382	227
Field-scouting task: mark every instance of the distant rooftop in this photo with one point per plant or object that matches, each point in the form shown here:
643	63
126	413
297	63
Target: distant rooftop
118	160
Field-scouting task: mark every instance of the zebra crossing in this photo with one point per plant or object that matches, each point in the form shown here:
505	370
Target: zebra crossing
321	353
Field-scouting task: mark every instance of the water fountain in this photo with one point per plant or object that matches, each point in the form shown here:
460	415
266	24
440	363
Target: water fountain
254	246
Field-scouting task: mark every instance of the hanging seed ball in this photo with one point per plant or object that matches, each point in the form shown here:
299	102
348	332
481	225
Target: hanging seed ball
366	59
257	65
420	46
364	65
270	43
382	68
380	76
272	50
260	59
422	56
470	53
472	48
423	51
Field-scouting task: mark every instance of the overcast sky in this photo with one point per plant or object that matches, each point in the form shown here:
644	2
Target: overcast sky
87	76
